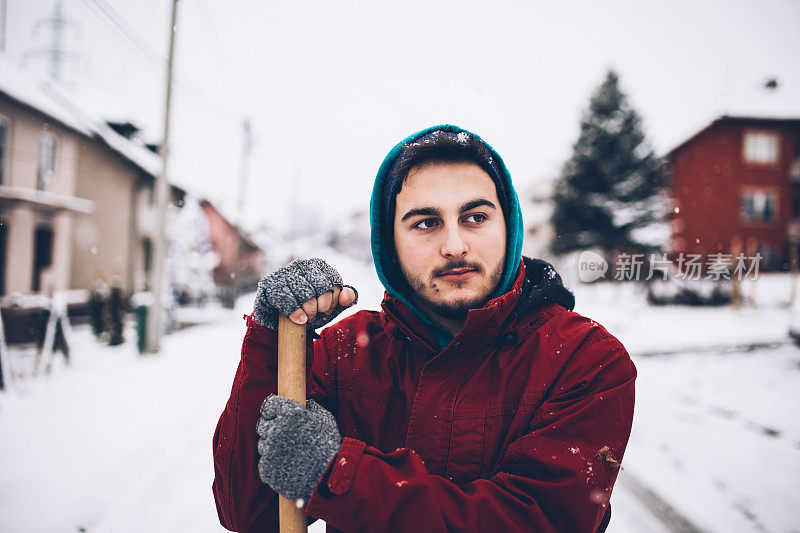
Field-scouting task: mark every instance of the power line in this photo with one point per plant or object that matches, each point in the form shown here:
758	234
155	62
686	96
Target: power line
133	39
3	24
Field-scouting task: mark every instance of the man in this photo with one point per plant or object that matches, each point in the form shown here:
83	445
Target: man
474	401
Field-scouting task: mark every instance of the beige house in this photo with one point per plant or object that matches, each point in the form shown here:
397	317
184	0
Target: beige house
76	197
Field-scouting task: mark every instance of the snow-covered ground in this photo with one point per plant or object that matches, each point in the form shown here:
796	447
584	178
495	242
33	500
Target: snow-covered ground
716	438
716	435
122	442
118	441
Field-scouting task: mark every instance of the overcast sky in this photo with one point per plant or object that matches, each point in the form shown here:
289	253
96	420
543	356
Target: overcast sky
330	87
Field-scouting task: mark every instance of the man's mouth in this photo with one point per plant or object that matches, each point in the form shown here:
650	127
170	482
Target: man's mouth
457	274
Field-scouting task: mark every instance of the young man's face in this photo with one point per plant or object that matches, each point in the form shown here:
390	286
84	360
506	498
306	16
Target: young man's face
450	237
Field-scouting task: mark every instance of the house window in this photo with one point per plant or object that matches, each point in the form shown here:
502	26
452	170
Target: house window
3	149
42	254
761	147
759	207
47	158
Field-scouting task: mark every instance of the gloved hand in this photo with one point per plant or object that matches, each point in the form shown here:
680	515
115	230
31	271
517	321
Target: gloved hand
304	283
297	443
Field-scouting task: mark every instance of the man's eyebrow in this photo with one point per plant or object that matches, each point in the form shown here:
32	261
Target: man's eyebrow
425	211
435	212
472	204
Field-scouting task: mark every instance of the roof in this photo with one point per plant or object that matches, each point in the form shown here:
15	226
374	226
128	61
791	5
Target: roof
245	237
755	120
40	96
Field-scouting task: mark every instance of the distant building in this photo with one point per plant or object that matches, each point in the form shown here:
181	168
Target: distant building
76	197
228	242
736	188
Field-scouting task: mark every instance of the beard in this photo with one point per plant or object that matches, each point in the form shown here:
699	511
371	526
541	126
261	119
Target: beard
456	309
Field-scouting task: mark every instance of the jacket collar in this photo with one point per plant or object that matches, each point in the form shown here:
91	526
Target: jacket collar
482	326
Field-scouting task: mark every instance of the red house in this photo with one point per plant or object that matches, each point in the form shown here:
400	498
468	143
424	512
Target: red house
736	189
228	242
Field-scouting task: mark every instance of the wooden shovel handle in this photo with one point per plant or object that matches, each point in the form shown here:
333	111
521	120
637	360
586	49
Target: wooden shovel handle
292	385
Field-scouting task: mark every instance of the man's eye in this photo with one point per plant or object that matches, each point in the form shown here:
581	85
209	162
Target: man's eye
428	223
475	218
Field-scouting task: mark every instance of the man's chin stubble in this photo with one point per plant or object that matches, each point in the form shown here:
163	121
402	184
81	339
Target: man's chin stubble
456	310
449	310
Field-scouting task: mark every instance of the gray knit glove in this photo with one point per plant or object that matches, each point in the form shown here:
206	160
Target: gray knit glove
289	287
297	443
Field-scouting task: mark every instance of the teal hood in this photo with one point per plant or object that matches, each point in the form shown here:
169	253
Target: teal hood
380	250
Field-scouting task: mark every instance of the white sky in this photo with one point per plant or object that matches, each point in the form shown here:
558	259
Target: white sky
330	87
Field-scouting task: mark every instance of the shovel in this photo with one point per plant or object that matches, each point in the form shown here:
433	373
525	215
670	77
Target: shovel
292	385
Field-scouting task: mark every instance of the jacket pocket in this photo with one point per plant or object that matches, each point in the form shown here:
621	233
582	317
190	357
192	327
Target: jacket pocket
466	444
372	416
505	422
481	435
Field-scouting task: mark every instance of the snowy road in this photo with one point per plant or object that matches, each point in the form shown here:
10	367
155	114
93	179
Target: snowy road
121	442
716	435
117	441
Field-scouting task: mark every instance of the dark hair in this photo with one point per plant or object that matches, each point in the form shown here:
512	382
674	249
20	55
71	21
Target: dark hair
441	147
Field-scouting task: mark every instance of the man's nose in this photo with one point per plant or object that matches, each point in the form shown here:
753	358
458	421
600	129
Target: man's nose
454	245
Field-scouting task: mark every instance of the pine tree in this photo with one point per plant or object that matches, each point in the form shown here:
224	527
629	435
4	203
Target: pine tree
609	193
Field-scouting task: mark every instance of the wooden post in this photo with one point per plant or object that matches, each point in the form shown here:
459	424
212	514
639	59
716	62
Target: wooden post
794	243
47	350
751	249
292	385
736	285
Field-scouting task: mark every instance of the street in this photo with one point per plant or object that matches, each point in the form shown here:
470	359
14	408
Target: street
122	442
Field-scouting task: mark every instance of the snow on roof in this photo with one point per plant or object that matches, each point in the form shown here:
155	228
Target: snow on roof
752	103
759	101
42	96
228	216
733	118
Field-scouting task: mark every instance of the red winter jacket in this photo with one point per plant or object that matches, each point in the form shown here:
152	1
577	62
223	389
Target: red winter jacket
517	425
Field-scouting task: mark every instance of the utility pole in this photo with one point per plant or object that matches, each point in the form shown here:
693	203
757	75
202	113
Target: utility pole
247	146
3	33
154	319
56	54
237	265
